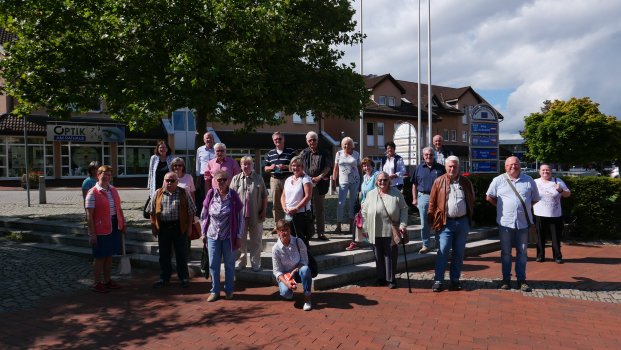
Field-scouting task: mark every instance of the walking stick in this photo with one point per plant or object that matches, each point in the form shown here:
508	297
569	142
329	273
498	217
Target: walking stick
405	258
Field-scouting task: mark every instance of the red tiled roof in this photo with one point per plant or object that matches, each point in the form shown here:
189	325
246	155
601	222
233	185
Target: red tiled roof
12	125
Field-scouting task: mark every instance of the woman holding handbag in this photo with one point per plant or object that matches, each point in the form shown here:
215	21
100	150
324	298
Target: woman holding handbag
384	211
369	178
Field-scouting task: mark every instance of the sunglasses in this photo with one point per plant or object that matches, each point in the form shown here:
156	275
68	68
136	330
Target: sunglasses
170	181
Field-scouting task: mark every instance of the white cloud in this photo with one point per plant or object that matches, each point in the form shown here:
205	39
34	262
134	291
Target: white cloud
538	49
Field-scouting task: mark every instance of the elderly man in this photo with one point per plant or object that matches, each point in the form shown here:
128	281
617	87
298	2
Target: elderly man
221	162
204	154
172	212
318	165
277	164
422	180
513	193
451	205
441	152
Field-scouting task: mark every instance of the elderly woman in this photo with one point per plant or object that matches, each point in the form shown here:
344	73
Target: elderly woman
185	180
290	264
296	200
251	189
347	174
221	162
393	164
383	207
548	213
221	221
159	165
369	178
105	224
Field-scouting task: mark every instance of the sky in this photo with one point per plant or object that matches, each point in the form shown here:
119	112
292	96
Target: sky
514	53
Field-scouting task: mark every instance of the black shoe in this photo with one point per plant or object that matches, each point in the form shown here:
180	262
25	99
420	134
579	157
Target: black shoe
505	285
160	284
454	286
524	287
559	261
185	283
540	259
392	285
437	287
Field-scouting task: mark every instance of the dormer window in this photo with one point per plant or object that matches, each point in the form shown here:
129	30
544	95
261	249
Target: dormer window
382	101
391	101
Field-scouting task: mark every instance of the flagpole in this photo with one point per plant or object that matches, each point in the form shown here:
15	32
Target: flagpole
418	99
361	142
429	108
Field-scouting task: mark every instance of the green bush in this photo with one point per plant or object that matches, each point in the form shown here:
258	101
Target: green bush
596	204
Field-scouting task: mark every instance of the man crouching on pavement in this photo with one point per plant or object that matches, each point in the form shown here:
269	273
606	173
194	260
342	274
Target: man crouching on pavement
172	212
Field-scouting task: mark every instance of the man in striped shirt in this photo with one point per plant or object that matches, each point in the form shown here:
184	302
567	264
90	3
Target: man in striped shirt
277	165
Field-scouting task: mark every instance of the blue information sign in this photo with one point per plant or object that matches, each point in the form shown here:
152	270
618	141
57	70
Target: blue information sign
485	153
484	167
484	140
484	128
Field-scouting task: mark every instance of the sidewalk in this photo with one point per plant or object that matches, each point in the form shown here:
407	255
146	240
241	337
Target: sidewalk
574	305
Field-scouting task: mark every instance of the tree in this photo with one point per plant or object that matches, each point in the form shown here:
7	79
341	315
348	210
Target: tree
572	132
231	60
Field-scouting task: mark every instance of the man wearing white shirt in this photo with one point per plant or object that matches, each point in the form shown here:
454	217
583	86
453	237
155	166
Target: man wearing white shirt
203	155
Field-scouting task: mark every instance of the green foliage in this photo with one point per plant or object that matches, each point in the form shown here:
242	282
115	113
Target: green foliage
232	60
573	131
596	203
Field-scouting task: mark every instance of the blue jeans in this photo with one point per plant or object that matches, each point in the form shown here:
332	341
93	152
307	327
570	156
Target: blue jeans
304	276
452	236
352	188
423	206
221	250
509	238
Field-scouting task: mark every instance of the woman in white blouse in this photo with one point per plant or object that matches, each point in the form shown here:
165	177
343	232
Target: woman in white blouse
296	200
548	213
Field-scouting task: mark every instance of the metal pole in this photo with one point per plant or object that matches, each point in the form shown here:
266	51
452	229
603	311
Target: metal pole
361	142
418	99
429	109
26	160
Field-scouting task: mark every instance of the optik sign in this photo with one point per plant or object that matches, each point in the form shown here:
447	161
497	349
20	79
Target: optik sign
85	133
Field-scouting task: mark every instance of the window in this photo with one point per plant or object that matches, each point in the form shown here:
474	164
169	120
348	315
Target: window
310	117
380	134
75	157
13	160
183	120
370	134
134	156
453	135
297	119
446	135
464	119
382	101
391	101
464	136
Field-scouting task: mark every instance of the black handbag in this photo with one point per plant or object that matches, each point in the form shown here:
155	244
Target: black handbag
312	263
145	213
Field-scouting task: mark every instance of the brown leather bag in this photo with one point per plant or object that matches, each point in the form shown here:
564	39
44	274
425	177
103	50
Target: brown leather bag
195	232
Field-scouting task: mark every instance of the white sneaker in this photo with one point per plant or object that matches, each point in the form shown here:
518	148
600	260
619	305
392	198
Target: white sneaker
307	306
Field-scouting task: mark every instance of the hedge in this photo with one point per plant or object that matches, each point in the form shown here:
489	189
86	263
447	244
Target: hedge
595	203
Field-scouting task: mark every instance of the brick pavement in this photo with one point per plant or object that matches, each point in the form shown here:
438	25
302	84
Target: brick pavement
361	316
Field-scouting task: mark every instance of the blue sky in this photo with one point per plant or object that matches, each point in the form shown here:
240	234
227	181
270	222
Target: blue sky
516	53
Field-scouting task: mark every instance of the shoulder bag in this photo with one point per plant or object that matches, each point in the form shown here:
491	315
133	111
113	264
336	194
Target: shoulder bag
312	263
397	237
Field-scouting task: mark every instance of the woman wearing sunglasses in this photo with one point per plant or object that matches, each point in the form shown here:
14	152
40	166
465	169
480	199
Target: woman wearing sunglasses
383	207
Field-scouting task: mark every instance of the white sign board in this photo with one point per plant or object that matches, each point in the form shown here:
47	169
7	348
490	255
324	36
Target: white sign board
85	133
405	140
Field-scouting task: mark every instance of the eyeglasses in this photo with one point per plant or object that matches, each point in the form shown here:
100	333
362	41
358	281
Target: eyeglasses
170	181
221	180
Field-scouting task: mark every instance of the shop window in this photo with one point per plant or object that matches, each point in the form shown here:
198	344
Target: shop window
75	157
134	156
13	159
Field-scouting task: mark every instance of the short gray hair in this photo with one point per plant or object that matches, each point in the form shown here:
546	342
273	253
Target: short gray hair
429	149
219	145
312	135
452	159
245	159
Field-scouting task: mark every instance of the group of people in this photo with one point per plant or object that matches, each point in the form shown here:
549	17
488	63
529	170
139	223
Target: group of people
231	201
